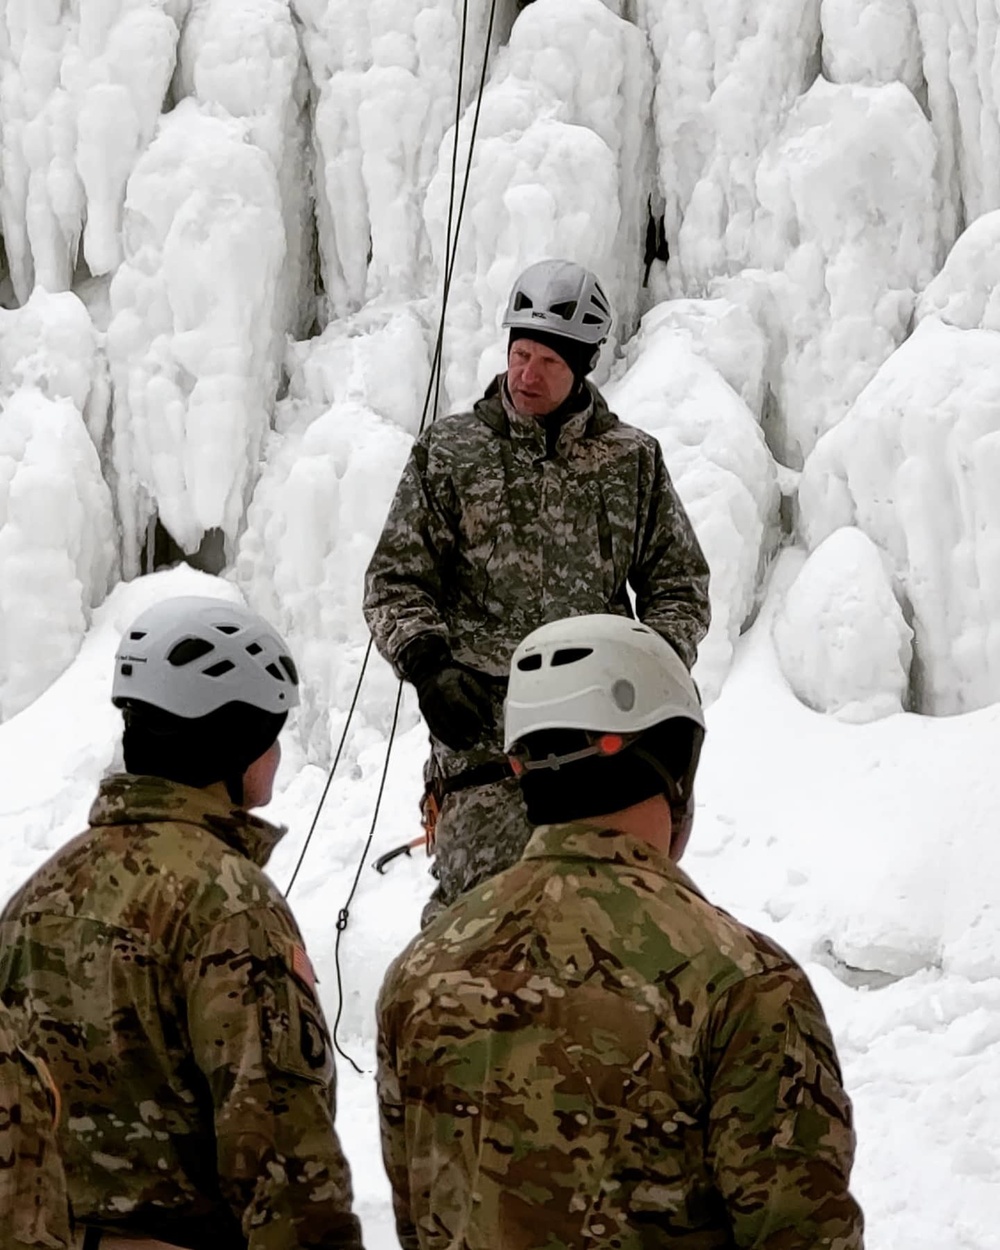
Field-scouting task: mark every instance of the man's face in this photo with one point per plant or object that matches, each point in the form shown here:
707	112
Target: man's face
538	378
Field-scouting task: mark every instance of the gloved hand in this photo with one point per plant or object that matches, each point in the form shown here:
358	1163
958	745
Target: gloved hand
454	702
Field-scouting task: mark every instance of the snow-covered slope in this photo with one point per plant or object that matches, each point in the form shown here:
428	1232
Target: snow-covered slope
225	234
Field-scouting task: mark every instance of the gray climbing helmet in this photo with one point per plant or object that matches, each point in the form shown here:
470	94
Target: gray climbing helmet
598	673
560	297
190	656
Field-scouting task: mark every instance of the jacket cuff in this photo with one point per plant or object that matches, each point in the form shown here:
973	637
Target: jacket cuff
422	657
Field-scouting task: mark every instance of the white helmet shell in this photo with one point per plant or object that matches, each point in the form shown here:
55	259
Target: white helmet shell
560	297
191	655
605	674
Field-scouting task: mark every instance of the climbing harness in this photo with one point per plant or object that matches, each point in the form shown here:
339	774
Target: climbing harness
433	393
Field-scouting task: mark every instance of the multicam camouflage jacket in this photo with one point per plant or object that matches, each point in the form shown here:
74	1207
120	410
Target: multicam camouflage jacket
34	1208
489	536
583	1052
161	975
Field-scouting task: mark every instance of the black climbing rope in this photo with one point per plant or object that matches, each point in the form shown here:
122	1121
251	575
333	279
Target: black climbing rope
432	396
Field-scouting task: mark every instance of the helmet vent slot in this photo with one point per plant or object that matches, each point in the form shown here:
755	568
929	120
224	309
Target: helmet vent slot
188	650
570	655
288	664
275	672
136	634
220	669
591	319
254	648
228	629
530	663
522	301
564	310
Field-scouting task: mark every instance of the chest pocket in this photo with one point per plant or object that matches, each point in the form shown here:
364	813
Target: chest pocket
32	1185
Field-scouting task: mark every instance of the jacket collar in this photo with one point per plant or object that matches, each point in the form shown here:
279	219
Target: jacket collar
496	411
128	799
589	842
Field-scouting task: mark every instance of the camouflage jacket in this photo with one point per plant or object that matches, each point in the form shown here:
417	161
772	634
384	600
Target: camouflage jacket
583	1052
489	536
160	973
34	1208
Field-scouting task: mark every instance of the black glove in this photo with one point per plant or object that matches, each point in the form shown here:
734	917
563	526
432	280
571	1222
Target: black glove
454	700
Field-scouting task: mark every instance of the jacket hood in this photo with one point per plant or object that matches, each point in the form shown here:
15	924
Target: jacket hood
129	799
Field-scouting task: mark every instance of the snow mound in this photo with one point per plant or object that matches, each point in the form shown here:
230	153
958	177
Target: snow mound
51	344
57	545
561	167
378	358
194	343
312	526
966	293
848	231
915	465
840	636
872	42
723	472
727	334
80	103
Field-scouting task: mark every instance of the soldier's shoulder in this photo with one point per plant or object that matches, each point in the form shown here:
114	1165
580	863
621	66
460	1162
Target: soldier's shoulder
453	434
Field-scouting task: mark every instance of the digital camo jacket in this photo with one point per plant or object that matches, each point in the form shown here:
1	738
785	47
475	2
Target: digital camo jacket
583	1052
34	1209
161	975
490	536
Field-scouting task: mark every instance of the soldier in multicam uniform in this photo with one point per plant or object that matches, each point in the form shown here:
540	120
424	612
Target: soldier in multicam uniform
34	1208
583	1051
539	504
161	975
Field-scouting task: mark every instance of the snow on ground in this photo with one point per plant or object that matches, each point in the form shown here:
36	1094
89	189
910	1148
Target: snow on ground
867	850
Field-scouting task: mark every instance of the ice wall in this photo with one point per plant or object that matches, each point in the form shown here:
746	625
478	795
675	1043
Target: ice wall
57	547
315	518
847	233
561	167
193	343
716	456
915	465
727	74
241	59
83	87
385	77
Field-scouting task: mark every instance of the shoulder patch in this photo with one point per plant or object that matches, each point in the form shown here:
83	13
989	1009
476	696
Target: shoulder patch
302	966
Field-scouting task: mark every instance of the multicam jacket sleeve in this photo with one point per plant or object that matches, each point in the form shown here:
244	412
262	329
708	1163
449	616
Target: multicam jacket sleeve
781	1138
34	1208
258	1035
403	585
392	1114
670	573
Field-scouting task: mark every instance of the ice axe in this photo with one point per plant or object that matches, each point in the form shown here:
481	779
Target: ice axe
383	861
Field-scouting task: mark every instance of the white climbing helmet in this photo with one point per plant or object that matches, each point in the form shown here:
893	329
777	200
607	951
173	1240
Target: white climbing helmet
191	655
560	297
599	673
